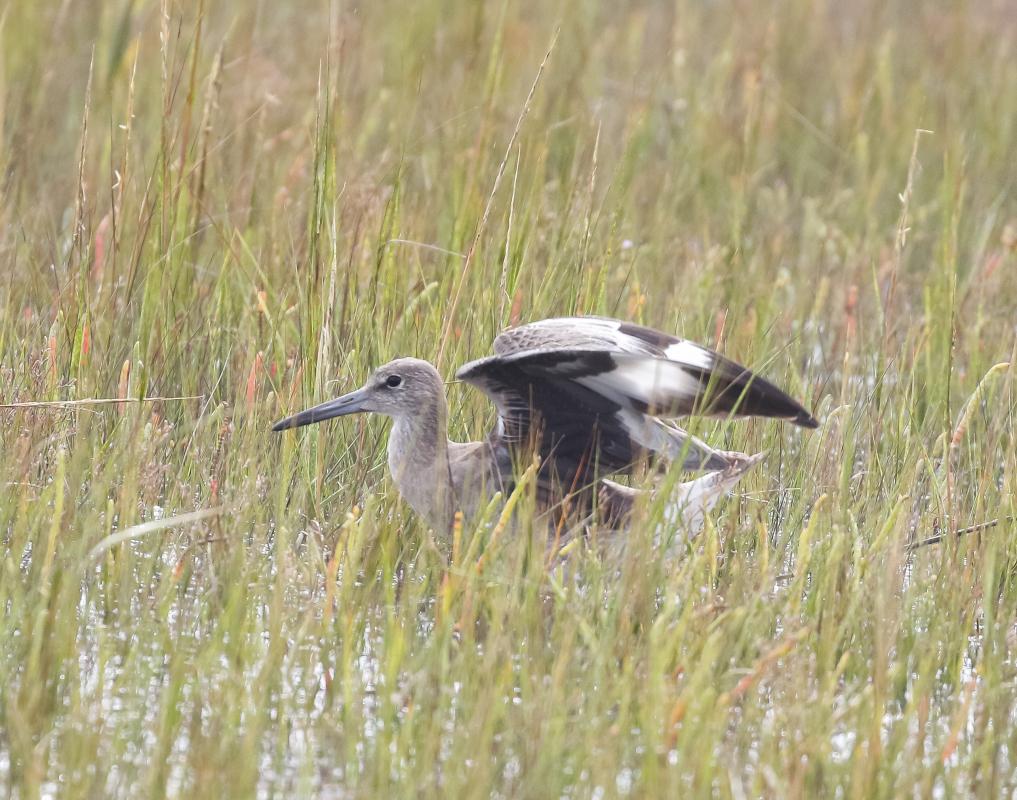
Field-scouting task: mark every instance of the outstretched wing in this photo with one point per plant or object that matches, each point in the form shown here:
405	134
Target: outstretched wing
655	373
551	399
592	395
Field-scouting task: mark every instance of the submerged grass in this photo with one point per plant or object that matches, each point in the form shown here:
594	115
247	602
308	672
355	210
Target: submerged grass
249	205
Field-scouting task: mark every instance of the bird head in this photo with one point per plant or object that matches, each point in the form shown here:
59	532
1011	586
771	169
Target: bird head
398	388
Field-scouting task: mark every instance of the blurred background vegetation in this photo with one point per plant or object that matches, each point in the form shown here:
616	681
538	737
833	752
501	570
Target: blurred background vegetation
250	204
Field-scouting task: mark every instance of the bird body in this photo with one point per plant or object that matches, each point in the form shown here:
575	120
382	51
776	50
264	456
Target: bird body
588	396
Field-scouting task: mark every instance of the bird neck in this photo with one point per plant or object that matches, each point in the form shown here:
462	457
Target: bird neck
418	461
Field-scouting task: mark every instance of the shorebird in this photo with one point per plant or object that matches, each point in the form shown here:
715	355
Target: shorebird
589	397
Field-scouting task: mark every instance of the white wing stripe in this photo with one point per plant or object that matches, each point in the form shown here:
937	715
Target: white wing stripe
654	382
686	352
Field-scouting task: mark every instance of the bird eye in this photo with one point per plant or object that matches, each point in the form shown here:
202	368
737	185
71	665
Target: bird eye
392	381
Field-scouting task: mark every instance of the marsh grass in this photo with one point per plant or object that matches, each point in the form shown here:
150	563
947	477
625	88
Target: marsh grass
251	204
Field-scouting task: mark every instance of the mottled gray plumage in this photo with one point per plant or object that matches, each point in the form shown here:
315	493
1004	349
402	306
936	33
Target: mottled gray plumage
590	396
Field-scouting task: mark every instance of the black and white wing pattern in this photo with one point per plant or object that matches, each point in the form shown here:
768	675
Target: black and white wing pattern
592	395
656	373
544	396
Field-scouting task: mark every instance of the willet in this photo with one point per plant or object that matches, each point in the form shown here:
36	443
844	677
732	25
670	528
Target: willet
589	397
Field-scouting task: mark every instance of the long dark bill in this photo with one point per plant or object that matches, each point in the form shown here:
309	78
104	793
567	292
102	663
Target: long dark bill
351	403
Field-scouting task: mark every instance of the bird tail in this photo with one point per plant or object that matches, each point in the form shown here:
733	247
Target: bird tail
693	500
